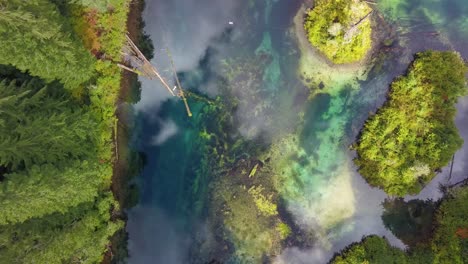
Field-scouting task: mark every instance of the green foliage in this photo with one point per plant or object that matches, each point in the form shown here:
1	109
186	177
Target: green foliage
284	230
100	5
114	27
34	38
371	250
80	236
253	233
449	243
414	133
452	217
56	200
46	189
264	203
341	29
40	126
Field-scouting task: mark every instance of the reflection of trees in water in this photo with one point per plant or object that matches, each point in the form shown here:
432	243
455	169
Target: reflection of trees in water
410	221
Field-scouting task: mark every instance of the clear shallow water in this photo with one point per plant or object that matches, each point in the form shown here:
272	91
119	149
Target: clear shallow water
174	210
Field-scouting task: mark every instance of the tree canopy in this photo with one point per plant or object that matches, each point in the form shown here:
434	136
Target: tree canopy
47	189
448	244
39	125
34	37
414	133
57	119
341	29
80	236
372	249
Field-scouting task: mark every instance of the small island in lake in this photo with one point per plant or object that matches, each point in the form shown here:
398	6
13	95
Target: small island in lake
414	134
340	29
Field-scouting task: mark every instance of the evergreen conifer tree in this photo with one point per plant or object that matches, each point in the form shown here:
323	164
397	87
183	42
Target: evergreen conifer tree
79	236
33	38
46	189
37	127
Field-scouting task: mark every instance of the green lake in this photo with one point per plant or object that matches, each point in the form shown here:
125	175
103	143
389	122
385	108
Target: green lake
272	125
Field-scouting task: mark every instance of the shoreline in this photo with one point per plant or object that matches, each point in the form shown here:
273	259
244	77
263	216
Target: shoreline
121	169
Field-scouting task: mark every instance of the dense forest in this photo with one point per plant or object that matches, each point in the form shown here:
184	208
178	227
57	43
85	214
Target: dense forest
58	88
414	134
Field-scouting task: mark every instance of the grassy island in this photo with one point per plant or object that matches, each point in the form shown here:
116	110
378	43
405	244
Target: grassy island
340	29
414	134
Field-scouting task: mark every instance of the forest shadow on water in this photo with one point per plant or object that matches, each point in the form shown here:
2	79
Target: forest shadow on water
258	138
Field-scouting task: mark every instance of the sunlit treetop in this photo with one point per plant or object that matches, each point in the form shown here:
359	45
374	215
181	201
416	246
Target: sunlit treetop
414	133
340	29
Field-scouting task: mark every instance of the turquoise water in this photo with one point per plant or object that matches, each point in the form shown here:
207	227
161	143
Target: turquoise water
265	114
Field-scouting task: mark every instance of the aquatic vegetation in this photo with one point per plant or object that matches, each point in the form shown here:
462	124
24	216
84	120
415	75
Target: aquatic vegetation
310	168
414	133
284	230
341	29
295	187
317	73
318	201
244	203
430	19
263	203
244	85
249	217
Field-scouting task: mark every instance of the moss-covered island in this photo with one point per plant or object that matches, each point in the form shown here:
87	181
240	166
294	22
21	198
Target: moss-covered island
340	29
414	134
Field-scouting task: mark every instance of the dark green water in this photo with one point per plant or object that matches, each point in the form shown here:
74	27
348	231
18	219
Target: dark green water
320	192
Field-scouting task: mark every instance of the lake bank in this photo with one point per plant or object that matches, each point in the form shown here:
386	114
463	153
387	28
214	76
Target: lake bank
126	160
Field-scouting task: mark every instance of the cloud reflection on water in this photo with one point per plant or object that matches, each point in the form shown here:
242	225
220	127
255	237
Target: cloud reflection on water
154	237
188	27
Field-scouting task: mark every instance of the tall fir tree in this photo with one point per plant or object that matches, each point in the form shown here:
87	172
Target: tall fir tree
79	236
38	127
33	38
46	189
